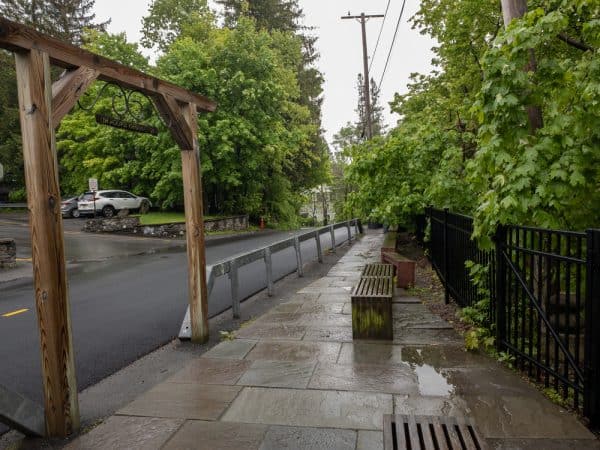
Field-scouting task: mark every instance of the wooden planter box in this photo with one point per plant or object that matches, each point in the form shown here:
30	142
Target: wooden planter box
372	308
405	268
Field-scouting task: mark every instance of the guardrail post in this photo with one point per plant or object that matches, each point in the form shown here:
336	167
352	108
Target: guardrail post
445	233
332	231
298	256
349	232
210	284
269	268
500	242
356	226
319	249
591	397
235	299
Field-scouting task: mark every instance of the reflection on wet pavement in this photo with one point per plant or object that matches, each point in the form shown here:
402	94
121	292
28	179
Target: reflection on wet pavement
305	383
431	382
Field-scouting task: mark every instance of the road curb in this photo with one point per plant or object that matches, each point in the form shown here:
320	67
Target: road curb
26	272
219	239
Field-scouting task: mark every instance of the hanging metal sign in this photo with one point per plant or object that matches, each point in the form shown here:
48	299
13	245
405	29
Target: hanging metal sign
128	109
124	125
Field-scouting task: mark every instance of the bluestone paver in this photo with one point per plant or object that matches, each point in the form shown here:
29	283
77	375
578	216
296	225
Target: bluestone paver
301	382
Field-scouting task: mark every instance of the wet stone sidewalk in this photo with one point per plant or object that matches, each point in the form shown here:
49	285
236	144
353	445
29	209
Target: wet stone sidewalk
294	379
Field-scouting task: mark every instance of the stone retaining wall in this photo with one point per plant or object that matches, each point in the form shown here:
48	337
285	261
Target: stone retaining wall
167	230
112	225
8	253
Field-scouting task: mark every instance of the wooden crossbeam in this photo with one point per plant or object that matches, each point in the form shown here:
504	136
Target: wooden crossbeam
68	89
41	108
17	38
171	113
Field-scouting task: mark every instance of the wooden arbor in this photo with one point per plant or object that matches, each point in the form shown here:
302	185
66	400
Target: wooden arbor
42	105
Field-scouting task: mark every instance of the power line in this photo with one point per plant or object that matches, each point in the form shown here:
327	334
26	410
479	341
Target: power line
380	31
393	42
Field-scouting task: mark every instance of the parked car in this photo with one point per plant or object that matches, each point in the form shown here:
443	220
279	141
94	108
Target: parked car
109	202
68	206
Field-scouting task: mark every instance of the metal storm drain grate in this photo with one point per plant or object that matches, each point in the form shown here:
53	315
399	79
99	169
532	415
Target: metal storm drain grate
402	432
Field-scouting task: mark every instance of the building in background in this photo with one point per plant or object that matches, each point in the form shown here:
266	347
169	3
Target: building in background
318	208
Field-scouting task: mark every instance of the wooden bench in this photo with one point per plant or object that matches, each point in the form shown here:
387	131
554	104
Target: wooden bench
372	307
378	270
405	268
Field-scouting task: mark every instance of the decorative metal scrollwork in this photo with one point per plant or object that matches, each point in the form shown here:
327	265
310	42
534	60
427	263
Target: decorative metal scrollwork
128	107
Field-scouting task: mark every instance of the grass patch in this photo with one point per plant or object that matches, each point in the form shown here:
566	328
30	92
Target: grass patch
160	217
155	218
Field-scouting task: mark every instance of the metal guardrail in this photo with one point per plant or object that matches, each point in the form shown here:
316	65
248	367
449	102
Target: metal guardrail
231	266
21	413
13	205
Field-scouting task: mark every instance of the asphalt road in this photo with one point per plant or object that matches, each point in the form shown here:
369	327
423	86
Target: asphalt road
128	296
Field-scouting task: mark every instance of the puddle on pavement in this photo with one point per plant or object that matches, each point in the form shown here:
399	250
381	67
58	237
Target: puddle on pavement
434	356
431	381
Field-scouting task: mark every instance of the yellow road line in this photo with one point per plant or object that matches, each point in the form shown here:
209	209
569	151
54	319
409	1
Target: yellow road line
14	313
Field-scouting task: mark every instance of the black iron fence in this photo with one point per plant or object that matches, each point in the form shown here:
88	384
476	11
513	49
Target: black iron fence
543	292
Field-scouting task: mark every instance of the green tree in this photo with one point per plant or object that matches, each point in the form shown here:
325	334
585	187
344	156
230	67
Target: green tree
463	140
167	20
69	19
423	160
10	138
551	178
250	144
35	13
285	16
65	19
282	15
115	157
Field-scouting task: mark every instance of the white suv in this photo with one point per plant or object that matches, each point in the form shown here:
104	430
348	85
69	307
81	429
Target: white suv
109	202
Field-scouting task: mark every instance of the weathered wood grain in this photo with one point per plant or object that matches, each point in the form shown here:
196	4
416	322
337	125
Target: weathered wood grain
192	196
372	309
47	247
68	89
178	126
17	37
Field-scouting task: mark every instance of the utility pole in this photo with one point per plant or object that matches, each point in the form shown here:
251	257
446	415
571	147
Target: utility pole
367	89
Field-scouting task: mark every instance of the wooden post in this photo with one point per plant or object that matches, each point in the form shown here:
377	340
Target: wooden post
47	247
194	225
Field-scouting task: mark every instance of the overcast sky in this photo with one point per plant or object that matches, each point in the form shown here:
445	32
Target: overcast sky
339	45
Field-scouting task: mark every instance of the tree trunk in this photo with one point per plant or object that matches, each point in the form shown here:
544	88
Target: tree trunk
515	9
